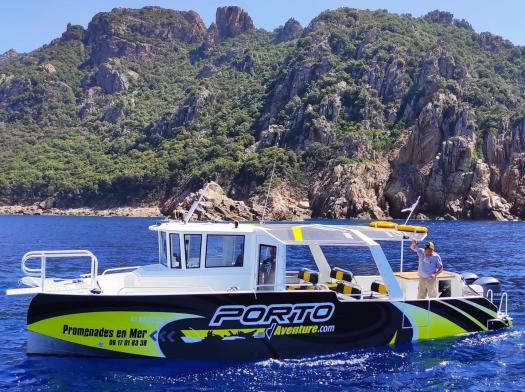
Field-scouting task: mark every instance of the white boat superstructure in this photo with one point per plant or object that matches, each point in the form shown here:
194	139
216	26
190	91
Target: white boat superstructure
226	257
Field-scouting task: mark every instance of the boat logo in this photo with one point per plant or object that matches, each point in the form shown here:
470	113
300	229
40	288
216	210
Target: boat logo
273	314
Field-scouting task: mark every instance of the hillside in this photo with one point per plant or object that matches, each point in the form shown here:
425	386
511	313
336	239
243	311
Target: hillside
363	111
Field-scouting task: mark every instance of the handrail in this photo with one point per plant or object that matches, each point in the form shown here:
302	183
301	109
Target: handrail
43	255
155	289
120	269
490	295
503	297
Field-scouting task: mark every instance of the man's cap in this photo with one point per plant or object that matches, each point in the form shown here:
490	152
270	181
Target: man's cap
430	245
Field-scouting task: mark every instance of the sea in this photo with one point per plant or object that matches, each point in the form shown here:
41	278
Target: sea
492	361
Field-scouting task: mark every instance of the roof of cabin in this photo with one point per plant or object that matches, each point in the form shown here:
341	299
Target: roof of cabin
294	233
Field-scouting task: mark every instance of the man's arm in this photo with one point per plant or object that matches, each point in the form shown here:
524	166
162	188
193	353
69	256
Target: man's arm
413	245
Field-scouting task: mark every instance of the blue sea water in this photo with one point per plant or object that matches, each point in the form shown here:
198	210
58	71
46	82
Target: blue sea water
478	362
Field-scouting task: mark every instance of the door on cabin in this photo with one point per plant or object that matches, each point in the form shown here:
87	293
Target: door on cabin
267	267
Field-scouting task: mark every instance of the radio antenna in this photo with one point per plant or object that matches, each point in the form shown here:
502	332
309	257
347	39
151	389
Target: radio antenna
271	180
196	203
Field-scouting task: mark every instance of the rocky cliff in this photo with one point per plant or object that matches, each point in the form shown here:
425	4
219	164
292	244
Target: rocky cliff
356	114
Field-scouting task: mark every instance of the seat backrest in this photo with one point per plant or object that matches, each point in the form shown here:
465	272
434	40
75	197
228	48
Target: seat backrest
309	276
378	287
347	288
341	274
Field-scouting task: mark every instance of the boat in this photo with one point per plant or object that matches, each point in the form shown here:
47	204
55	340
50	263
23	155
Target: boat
222	291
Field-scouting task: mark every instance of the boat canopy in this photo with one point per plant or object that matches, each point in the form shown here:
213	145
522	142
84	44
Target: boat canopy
300	233
306	234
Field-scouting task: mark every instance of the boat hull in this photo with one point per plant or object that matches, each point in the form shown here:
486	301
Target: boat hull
242	326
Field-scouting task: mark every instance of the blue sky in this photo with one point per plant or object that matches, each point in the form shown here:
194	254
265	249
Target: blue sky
27	24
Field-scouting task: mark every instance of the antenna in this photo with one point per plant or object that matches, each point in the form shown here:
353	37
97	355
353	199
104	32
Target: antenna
196	203
411	209
271	179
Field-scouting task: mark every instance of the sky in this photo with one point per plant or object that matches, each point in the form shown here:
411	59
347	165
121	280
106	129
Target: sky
28	24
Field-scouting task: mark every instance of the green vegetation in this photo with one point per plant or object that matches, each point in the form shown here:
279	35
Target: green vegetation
186	115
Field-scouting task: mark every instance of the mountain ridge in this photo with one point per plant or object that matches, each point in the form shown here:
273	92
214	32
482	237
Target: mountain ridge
362	111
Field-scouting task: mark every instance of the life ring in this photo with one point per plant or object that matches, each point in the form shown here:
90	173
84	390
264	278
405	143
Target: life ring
383	224
412	229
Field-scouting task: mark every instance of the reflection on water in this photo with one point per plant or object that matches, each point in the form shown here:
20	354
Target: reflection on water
493	360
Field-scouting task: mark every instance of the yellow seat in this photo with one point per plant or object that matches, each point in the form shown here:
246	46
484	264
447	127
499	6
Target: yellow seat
378	287
309	276
341	274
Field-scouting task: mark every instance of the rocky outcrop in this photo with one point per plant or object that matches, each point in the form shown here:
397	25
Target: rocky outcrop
111	80
446	19
229	23
11	89
513	185
436	160
441	17
109	34
73	33
48	68
438	67
233	21
283	203
493	43
11	53
215	205
353	191
193	107
291	30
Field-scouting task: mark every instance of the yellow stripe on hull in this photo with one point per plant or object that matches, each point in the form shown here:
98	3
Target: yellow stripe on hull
428	325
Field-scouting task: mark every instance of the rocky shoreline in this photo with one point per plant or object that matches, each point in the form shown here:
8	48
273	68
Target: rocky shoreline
216	205
138	212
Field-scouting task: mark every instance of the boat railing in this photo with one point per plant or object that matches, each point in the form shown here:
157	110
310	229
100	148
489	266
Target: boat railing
120	269
44	255
503	302
490	295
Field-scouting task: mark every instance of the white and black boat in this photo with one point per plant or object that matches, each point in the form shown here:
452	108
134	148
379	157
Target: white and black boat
223	291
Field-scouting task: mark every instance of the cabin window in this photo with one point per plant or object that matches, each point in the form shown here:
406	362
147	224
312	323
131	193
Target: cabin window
163	252
267	265
176	261
224	251
192	245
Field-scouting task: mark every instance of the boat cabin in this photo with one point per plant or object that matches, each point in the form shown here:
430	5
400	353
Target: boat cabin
229	257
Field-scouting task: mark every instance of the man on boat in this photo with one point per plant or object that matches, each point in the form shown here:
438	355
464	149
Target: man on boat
430	266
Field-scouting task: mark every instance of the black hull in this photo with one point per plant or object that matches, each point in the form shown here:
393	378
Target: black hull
241	326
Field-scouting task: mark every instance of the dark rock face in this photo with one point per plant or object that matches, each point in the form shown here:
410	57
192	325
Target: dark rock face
292	29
